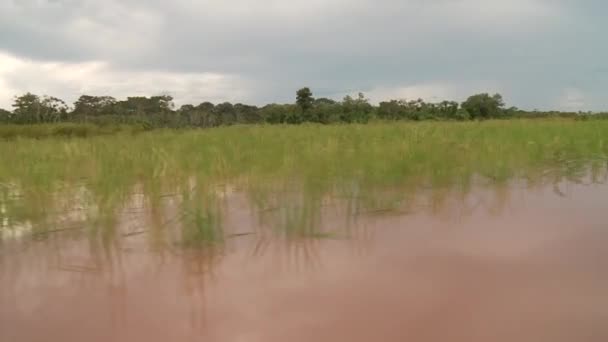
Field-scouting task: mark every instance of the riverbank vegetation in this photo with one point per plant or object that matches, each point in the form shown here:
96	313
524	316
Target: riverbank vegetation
160	111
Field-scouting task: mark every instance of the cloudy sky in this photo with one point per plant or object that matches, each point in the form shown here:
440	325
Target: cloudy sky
537	53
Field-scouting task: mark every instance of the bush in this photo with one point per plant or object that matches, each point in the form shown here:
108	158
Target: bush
484	106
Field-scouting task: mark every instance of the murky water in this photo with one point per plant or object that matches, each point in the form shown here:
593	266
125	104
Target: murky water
503	263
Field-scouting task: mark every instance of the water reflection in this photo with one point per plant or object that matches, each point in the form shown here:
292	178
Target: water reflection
196	213
236	261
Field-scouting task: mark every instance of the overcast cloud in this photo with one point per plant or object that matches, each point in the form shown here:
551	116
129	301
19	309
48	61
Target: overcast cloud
537	53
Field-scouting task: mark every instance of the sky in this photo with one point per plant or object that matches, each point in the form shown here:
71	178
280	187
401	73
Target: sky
539	54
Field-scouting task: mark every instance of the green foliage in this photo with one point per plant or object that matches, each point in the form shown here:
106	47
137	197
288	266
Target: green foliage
325	112
419	110
5	116
304	99
247	114
356	110
276	113
324	101
484	106
462	115
88	105
69	130
159	112
32	109
184	177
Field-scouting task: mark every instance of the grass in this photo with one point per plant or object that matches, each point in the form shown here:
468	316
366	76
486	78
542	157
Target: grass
296	169
67	130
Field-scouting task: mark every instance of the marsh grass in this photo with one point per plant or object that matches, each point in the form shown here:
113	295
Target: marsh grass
200	219
293	169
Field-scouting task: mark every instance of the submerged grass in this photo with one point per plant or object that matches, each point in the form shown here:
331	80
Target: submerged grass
292	167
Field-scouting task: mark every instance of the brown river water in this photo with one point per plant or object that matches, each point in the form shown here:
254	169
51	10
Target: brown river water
511	264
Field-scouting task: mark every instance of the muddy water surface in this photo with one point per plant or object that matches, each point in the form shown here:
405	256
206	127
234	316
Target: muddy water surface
510	264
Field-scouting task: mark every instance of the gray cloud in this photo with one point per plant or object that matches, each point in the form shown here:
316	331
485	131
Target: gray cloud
538	53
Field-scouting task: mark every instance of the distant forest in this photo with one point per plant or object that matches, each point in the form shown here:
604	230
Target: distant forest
160	111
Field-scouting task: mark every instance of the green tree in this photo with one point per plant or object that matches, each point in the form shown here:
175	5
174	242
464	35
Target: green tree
27	108
304	99
447	109
295	116
226	113
142	106
325	113
273	113
206	107
30	108
88	105
189	116
5	116
208	115
247	114
324	101
462	115
484	106
186	108
356	110
54	109
391	110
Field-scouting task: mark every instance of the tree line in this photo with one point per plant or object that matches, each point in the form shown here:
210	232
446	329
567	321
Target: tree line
160	111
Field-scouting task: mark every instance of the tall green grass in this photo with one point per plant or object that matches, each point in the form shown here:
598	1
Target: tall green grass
67	130
287	172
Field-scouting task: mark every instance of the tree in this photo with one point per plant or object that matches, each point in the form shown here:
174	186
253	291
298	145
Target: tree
324	101
206	107
141	105
304	98
88	105
447	109
186	108
27	108
462	115
325	113
273	113
247	114
225	113
208	116
391	110
30	108
5	116
164	102
356	110
484	106
159	111
54	109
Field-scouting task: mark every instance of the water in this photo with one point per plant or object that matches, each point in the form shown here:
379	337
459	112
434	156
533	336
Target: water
505	262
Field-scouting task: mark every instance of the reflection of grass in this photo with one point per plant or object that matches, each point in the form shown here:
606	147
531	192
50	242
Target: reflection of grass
294	168
201	226
200	218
